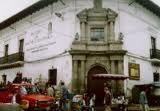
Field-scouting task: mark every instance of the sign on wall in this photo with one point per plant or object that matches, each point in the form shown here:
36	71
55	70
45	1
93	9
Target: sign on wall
134	71
39	44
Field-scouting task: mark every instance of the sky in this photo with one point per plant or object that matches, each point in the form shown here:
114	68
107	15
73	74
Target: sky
9	8
157	2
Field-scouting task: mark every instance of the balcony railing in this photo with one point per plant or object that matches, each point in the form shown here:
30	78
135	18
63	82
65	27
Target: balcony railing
12	58
155	54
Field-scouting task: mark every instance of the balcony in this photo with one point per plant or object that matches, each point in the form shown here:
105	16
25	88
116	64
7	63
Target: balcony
155	56
12	60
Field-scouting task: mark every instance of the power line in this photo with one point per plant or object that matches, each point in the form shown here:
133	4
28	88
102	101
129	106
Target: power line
65	53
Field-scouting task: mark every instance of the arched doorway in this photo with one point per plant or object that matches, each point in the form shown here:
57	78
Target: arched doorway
96	86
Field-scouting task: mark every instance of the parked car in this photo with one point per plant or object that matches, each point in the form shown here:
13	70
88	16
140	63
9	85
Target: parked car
27	95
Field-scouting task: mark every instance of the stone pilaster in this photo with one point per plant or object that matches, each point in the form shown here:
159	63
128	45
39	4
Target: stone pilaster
120	67
120	71
82	77
113	66
112	33
83	29
75	76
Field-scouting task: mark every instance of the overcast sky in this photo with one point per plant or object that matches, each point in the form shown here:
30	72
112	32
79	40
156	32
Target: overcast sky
10	7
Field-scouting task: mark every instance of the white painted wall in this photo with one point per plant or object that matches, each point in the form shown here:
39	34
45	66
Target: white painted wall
138	25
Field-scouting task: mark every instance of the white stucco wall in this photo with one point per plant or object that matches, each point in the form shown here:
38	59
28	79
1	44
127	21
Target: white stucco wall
42	52
138	25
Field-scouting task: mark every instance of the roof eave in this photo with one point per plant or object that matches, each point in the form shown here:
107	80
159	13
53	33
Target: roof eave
150	5
24	13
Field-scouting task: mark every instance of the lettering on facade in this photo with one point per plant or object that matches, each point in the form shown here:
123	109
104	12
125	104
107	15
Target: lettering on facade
37	37
40	47
39	40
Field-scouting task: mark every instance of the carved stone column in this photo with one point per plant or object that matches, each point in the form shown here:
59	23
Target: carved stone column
113	72
112	33
120	67
82	77
83	30
120	71
75	76
113	66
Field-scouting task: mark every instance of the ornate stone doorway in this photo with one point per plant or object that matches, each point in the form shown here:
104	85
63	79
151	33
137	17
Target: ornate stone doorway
96	86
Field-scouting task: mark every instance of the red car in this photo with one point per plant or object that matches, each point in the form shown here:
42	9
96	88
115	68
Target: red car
27	95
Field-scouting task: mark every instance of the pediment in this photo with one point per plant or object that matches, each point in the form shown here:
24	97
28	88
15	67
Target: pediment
93	13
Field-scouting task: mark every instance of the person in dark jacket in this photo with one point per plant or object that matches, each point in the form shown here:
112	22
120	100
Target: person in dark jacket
107	99
143	100
64	97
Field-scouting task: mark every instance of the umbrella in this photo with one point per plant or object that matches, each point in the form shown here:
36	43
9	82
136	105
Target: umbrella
110	76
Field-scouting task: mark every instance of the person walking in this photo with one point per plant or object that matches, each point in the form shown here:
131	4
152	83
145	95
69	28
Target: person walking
107	99
64	97
143	100
50	91
92	102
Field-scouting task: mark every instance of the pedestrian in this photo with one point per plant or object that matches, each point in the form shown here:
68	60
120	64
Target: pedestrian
143	100
13	101
54	90
92	102
107	99
64	97
50	91
84	106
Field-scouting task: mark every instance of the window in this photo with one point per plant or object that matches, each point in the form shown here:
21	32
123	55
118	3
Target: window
97	34
134	71
6	50
50	28
153	42
21	44
155	76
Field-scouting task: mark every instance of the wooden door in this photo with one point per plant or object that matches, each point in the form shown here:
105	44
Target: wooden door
96	86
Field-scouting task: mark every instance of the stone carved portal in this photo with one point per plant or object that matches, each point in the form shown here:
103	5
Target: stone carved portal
97	45
96	86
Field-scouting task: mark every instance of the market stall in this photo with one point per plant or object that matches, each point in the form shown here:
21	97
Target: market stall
119	100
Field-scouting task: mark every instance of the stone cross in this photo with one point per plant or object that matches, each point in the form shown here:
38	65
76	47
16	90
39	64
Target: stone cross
98	4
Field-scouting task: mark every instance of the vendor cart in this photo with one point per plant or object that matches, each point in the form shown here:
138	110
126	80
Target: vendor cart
76	103
119	101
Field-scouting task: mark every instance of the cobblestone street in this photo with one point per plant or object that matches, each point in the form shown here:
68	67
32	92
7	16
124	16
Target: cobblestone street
10	107
134	107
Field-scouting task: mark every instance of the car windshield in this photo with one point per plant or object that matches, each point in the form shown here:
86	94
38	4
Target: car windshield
29	89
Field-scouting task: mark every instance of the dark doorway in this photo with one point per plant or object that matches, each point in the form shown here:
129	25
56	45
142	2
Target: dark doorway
52	75
96	86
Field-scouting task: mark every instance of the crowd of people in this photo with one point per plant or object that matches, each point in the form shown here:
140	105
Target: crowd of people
81	102
64	101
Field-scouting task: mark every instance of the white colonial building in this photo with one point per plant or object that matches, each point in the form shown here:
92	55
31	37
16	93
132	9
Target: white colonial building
71	40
